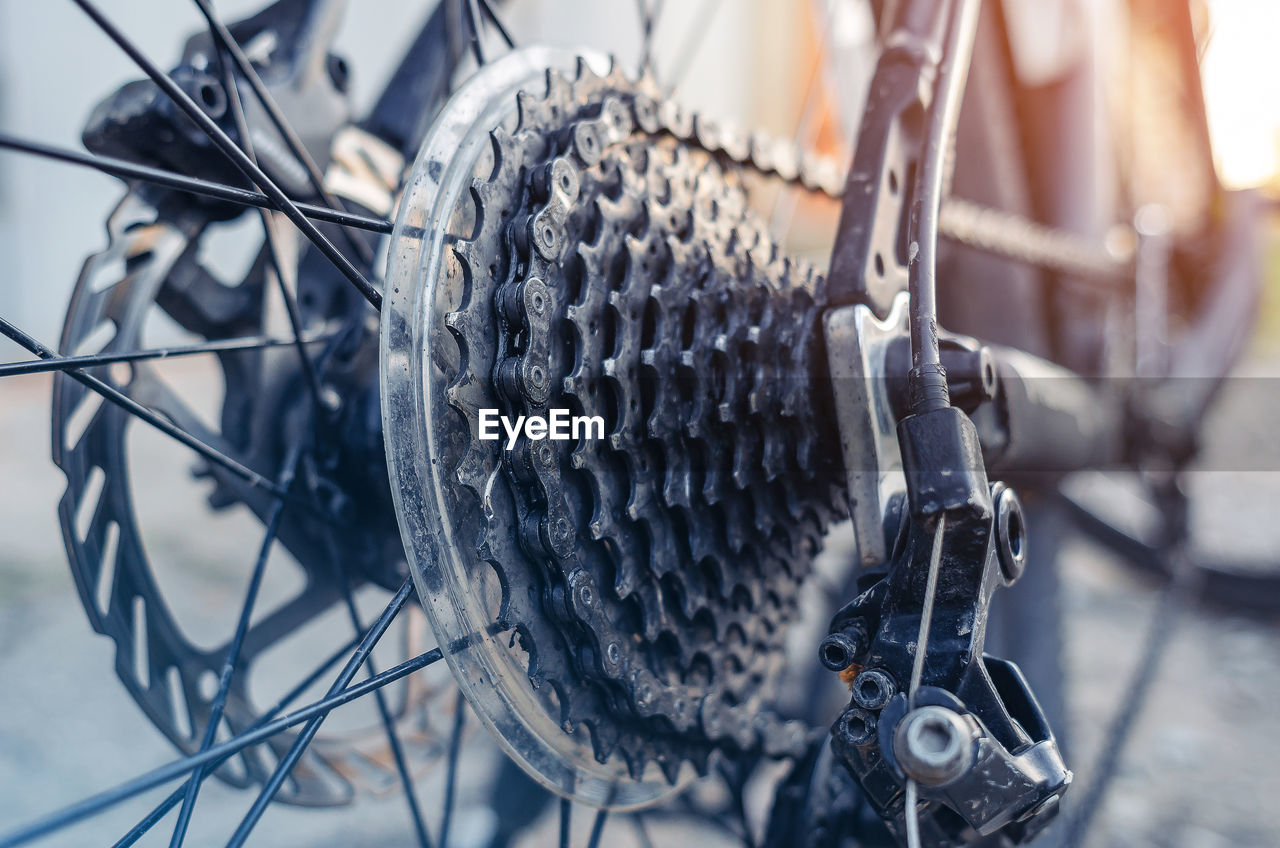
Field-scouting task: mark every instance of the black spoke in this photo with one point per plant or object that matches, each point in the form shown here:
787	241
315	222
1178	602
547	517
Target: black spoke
650	11
384	713
492	15
131	406
597	828
231	48
131	171
274	255
229	666
90	360
342	692
291	757
689	48
235	154
162	809
641	830
451	775
473	19
566	820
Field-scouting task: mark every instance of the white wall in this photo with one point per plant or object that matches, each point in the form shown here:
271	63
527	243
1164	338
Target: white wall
55	64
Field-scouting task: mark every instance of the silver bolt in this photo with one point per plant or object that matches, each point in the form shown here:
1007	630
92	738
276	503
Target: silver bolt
330	398
933	745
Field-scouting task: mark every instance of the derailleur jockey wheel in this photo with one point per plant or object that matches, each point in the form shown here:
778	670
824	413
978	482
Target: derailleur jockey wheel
608	438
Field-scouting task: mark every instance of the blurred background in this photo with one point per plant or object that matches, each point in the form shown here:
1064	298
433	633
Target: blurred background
1200	771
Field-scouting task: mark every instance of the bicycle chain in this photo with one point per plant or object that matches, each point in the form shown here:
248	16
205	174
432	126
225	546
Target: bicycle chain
660	628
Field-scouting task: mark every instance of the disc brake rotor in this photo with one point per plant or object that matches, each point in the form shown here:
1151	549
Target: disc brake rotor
615	607
151	266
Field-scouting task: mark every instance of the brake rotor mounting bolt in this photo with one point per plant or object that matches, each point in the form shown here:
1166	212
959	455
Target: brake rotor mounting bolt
873	688
933	745
838	651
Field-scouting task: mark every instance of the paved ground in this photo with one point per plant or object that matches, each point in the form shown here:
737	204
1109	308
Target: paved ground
1200	771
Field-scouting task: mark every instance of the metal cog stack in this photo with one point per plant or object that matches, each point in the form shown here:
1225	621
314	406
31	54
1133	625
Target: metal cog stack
613	268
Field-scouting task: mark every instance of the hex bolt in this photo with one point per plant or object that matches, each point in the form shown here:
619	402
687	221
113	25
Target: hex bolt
933	745
1011	533
855	727
838	651
873	688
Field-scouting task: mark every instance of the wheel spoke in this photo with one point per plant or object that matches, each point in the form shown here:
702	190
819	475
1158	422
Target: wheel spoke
597	828
231	48
641	830
274	252
162	809
342	692
90	360
235	154
384	713
473	18
229	666
492	15
388	723
650	12
451	774
566	820
131	406
299	746
245	197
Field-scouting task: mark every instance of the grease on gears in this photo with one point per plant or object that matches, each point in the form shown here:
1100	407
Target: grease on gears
622	603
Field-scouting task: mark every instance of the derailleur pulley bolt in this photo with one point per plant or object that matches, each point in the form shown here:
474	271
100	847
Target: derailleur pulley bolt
933	745
838	651
855	727
873	688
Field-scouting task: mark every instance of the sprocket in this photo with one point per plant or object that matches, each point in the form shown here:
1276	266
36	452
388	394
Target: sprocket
605	260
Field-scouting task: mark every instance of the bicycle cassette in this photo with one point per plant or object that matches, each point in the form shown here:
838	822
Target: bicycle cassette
614	602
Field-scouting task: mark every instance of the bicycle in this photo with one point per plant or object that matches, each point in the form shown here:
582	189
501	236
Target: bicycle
560	235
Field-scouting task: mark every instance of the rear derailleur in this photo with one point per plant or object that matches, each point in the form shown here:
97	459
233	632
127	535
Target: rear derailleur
960	724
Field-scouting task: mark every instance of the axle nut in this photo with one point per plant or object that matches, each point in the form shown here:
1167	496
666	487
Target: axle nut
933	745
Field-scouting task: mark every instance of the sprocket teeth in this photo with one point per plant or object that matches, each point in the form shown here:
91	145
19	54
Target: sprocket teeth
684	509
